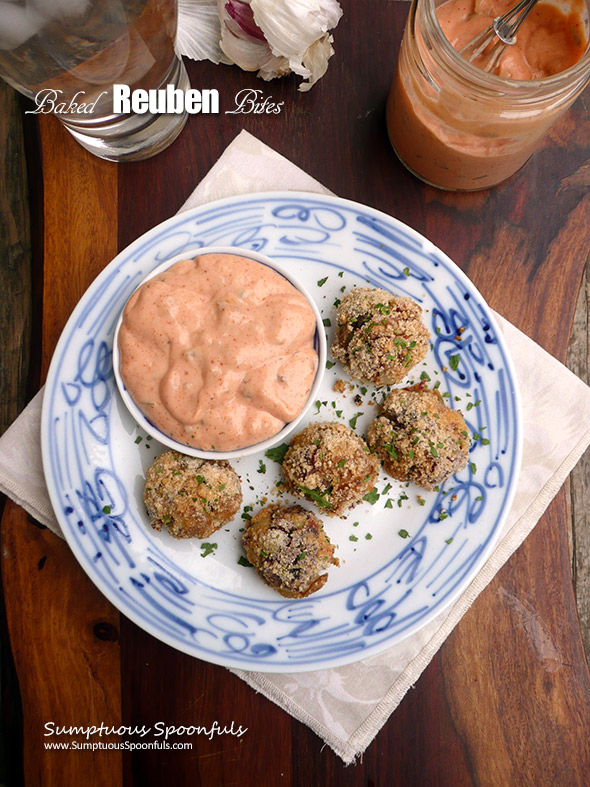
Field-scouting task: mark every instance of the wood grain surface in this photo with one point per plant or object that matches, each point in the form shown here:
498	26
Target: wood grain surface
63	632
15	328
15	269
578	361
506	701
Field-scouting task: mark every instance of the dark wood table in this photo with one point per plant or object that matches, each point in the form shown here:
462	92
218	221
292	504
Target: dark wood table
488	710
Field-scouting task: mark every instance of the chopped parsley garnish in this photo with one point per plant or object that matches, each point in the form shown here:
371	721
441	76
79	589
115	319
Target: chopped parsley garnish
352	421
352	538
243	561
316	496
406	271
388	503
277	454
261	467
138	439
321	282
106	510
372	497
425	376
449	541
391	450
473	467
403	533
327	322
368	536
482	440
454	362
200	480
208	549
330	364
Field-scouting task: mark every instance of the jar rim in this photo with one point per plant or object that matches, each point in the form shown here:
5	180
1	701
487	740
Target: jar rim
485	80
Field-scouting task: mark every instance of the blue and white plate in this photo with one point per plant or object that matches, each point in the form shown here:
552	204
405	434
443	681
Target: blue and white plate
405	554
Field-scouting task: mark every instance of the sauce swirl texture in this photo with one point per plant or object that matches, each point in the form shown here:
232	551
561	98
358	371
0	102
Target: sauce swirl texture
218	352
548	42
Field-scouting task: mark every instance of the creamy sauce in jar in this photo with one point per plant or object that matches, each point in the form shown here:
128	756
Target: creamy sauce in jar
460	131
549	40
218	352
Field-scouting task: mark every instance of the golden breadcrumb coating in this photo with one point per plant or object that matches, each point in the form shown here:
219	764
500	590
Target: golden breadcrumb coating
379	337
418	438
330	465
191	497
289	549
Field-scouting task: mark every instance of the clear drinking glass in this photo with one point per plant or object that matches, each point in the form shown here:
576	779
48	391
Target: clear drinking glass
459	128
71	52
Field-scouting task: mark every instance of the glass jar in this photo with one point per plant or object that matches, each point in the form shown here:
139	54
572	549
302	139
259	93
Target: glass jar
459	128
68	57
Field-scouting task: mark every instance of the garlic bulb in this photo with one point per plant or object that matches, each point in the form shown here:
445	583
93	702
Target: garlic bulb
273	37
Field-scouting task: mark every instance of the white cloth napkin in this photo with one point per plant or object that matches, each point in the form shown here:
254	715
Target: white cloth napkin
347	706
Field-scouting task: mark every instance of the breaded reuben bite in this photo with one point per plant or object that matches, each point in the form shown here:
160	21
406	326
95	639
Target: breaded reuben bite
191	497
379	337
328	464
418	438
289	549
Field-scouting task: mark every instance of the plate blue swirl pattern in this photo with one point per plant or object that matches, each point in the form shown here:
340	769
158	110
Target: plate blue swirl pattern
405	553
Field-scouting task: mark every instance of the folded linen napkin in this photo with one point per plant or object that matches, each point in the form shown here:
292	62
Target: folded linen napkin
348	705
